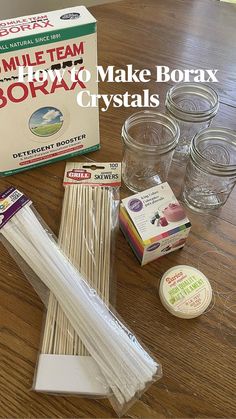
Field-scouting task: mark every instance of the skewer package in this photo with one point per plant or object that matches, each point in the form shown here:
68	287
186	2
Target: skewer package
43	62
87	236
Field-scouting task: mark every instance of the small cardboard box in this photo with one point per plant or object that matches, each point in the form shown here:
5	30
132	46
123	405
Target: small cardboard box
154	223
40	120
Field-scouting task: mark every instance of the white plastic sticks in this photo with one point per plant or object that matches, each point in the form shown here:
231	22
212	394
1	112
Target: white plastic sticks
85	237
126	366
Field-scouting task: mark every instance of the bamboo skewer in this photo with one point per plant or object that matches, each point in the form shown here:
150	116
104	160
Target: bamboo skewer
85	237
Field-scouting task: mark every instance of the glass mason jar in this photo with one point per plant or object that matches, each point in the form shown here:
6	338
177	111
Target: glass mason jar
193	105
149	139
211	170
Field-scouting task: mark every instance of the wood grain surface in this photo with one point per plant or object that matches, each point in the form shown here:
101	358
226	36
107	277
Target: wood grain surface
198	356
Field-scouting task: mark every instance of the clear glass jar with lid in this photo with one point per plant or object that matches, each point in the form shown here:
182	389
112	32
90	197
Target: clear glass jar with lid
149	140
211	170
193	105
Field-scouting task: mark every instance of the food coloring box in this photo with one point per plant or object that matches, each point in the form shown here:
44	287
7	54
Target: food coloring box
40	120
154	223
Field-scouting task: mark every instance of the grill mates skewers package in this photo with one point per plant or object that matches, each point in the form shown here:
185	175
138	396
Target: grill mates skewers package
42	59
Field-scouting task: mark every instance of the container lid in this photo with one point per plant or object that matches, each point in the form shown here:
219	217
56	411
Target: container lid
185	291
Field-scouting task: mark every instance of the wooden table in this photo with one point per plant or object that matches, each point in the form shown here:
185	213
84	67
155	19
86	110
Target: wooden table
198	356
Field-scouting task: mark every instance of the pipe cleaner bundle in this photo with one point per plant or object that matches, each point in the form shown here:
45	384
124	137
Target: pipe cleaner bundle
126	366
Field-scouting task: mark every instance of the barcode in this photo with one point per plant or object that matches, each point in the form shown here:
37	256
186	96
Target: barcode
15	195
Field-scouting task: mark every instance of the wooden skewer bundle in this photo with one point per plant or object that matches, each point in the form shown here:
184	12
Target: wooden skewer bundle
85	237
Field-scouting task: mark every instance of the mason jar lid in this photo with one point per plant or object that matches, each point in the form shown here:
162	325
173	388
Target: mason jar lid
185	291
214	151
150	132
192	102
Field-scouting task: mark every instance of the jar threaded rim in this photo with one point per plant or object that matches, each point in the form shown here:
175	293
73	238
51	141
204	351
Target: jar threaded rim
149	117
208	165
196	90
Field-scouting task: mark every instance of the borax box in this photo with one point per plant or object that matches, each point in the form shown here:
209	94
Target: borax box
40	120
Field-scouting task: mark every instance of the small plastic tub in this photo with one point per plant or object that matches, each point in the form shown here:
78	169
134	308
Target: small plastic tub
185	292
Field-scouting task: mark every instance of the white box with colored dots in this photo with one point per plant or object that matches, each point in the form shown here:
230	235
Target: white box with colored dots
154	223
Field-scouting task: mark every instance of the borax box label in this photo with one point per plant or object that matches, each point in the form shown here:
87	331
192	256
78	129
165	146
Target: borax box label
40	120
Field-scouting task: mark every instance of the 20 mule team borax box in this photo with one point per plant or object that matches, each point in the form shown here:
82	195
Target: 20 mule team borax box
40	121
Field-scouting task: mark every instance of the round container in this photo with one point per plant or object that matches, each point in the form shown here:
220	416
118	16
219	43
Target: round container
193	105
149	139
185	291
211	170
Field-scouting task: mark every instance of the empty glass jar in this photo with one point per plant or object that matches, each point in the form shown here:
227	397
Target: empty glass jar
211	170
193	105
149	139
